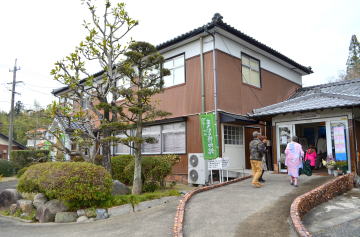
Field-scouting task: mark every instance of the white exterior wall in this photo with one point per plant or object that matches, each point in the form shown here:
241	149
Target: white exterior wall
234	48
4	142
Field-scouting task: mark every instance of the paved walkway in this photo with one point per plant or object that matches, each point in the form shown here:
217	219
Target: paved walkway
337	217
241	210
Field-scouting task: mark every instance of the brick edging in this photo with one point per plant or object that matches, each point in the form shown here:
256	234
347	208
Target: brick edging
179	217
304	203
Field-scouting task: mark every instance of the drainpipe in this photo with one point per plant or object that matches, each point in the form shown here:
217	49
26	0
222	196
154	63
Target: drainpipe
202	75
215	86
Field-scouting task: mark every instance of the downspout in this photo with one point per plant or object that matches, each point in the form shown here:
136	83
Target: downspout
215	88
202	75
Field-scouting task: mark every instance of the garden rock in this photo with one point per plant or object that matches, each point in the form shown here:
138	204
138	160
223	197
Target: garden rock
39	199
44	215
56	206
90	212
119	188
13	208
81	212
91	219
25	205
101	214
8	197
82	219
65	217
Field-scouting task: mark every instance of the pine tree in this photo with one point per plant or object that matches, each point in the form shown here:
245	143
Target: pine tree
353	61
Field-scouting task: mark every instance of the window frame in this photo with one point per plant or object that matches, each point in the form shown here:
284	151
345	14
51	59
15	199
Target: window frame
172	58
242	65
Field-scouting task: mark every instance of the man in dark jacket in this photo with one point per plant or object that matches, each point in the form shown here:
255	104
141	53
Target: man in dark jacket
257	151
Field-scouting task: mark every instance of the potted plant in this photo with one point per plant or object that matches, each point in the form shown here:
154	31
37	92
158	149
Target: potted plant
330	164
341	167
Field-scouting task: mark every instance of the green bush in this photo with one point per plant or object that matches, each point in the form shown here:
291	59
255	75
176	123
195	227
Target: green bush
118	165
81	184
150	187
7	168
21	172
24	158
153	168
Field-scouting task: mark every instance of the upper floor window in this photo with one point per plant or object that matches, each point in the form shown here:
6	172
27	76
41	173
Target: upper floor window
176	66
250	70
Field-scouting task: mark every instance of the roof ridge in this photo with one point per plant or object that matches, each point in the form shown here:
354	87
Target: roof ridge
344	82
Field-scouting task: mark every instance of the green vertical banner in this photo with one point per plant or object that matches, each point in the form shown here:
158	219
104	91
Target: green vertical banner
209	136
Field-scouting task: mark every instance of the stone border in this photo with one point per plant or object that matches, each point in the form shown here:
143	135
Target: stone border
180	213
304	203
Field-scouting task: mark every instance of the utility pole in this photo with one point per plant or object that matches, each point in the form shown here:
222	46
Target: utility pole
11	124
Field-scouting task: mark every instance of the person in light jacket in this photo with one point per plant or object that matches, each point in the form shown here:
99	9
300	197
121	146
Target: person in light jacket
257	151
294	155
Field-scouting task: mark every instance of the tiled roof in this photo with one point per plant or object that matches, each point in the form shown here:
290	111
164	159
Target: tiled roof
14	142
216	22
331	95
71	125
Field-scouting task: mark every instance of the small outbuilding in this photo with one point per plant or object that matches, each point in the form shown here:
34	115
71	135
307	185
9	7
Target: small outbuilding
4	143
325	116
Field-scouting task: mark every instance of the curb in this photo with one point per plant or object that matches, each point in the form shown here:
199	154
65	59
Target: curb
180	213
304	203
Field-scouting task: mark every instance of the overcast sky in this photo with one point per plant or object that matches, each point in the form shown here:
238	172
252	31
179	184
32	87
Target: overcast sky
40	32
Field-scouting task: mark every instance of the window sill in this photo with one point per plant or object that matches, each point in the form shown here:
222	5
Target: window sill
252	86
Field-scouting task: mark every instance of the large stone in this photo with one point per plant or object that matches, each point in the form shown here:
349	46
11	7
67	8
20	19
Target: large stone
90	212
56	206
39	200
8	197
81	212
44	215
13	208
82	219
25	205
119	188
101	214
47	212
65	217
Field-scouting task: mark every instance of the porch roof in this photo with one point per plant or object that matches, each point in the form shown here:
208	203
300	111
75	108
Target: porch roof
331	95
226	117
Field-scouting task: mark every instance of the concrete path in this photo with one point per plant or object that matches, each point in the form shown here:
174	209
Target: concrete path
241	210
157	221
8	184
337	217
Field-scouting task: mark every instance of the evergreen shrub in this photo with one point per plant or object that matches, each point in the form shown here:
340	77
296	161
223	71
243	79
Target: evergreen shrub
25	158
81	184
7	168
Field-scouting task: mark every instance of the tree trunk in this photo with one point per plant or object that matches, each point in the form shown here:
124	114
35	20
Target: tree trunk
137	183
106	152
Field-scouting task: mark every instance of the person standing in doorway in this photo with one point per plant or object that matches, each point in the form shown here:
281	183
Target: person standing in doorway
321	149
257	151
294	155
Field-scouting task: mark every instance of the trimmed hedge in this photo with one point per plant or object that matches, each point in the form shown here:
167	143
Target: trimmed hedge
154	169
25	158
7	168
80	183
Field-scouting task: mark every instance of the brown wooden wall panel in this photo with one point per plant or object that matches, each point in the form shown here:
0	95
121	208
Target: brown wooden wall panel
357	140
185	98
352	145
238	97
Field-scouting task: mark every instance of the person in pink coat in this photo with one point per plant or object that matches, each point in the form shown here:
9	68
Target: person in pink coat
294	155
311	156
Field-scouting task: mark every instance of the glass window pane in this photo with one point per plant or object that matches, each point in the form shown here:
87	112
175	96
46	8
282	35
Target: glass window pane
255	78
245	60
169	64
179	61
168	81
246	74
254	64
179	76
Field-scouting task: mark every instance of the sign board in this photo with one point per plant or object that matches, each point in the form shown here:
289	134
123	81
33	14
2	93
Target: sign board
218	163
340	143
209	136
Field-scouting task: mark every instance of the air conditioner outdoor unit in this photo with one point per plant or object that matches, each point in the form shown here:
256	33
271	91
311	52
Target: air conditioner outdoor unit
197	169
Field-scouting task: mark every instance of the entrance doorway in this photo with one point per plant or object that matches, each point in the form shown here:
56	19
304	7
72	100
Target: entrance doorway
233	145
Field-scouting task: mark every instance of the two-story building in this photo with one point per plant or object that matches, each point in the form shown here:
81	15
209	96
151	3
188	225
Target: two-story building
216	68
